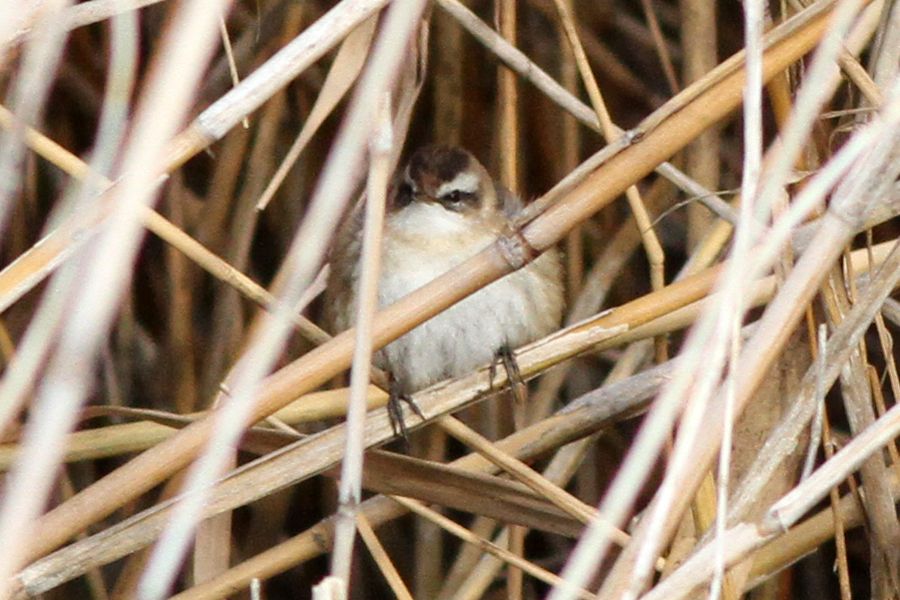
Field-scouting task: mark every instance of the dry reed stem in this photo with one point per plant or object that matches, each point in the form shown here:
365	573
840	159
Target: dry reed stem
322	363
350	488
640	309
108	546
576	421
756	357
612	65
845	339
489	496
32	267
840	540
113	440
487	546
211	125
655	254
286	549
382	559
637	331
805	537
662	49
732	309
702	162
95	549
518	62
302	262
103	278
762	348
508	128
471	564
569	156
92	11
858	406
28	93
343	72
744	538
525	474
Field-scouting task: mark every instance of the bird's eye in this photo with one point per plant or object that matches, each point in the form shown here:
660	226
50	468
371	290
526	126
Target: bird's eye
456	199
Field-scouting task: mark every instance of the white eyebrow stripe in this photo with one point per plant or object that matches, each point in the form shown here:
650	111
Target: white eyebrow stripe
465	182
409	180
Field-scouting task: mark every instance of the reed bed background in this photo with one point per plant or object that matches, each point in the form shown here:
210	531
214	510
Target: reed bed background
716	417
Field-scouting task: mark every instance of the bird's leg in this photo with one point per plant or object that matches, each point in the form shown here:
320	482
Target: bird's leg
396	398
505	357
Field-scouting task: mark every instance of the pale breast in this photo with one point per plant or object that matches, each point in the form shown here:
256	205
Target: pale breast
420	244
513	311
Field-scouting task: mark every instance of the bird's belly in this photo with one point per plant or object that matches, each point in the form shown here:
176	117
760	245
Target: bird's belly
507	312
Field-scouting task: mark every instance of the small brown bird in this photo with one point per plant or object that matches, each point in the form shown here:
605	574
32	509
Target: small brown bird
444	209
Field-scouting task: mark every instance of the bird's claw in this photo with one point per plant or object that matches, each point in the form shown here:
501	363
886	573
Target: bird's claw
507	358
395	411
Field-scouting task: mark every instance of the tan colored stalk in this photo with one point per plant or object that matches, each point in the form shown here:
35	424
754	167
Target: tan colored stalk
520	63
792	506
508	101
840	539
568	458
763	347
36	346
806	537
559	497
30	268
303	544
380	555
29	91
343	72
580	419
570	140
212	124
884	541
232	65
659	42
489	496
487	546
653	248
103	276
509	164
699	40
332	194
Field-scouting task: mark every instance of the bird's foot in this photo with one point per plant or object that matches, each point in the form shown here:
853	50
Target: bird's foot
505	356
396	400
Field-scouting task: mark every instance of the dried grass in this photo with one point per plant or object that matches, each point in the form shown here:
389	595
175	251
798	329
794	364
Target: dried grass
164	426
